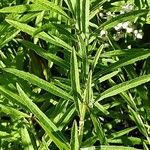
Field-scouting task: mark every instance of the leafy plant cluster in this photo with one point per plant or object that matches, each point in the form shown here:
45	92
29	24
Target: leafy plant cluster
74	74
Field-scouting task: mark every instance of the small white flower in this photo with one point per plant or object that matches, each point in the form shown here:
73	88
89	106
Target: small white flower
129	30
135	32
122	12
128	7
116	38
125	25
118	27
109	13
139	36
103	33
129	46
101	15
106	45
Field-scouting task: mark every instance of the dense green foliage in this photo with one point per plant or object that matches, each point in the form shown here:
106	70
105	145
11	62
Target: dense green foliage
74	74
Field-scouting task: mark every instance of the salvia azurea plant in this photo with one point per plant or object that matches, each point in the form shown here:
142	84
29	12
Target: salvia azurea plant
74	74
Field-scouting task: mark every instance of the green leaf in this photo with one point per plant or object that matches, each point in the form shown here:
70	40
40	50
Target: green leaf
51	6
123	52
26	140
96	57
8	37
88	90
44	121
98	129
39	82
71	5
122	132
23	8
30	30
122	18
75	80
47	55
107	76
101	108
74	137
96	7
103	147
85	16
123	87
16	114
124	62
139	122
11	96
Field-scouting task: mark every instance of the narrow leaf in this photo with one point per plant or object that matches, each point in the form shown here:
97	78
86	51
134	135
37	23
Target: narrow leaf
42	35
96	57
74	137
122	18
75	82
123	87
39	82
47	55
124	62
44	121
26	140
51	6
98	129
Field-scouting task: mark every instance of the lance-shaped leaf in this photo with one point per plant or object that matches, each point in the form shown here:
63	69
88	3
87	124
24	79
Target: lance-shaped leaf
23	8
47	55
39	82
74	137
51	6
98	53
75	80
123	87
124	62
44	121
85	16
98	129
122	18
26	139
42	35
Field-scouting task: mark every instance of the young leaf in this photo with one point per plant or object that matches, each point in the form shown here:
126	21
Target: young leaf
23	8
74	137
14	113
104	147
26	140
